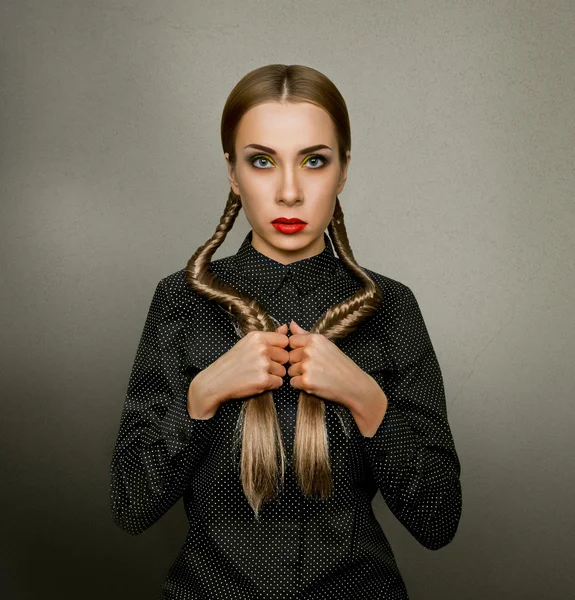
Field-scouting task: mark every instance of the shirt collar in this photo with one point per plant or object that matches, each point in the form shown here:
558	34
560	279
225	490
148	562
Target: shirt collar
307	274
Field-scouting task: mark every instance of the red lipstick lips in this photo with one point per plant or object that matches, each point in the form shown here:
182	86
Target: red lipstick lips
285	225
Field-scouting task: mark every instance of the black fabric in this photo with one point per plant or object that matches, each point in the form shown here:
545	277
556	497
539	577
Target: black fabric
300	547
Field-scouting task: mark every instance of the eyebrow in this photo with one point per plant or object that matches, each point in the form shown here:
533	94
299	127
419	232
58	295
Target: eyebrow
302	151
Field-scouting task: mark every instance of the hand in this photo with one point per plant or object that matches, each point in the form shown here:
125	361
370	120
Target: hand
252	366
319	367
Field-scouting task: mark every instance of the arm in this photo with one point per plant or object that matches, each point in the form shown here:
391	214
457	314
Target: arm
412	454
159	444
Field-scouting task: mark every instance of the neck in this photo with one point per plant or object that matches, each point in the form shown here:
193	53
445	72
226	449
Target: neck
286	255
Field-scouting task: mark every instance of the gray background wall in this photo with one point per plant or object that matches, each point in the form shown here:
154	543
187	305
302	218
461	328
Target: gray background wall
460	185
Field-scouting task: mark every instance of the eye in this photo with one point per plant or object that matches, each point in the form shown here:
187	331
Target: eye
316	157
260	157
310	159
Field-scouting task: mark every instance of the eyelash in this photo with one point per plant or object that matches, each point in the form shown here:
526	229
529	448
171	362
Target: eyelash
311	156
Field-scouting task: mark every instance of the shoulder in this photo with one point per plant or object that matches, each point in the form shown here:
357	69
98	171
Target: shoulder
399	323
176	288
396	294
400	315
373	345
387	284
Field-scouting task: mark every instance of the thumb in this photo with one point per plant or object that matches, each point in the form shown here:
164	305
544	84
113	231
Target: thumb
281	329
296	328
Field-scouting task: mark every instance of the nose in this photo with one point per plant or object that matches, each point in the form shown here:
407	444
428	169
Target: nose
289	191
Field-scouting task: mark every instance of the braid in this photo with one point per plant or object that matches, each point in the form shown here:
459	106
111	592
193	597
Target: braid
311	454
262	446
261	442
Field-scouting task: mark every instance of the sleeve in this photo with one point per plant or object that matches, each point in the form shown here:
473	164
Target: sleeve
158	445
412	454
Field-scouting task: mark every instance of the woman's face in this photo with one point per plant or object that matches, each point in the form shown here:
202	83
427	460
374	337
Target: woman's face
284	181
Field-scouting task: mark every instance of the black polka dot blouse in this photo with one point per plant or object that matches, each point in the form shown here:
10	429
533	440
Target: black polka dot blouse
301	547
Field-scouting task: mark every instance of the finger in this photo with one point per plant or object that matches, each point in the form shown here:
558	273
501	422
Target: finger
297	340
279	355
295	382
295	356
294	370
296	328
281	339
277	369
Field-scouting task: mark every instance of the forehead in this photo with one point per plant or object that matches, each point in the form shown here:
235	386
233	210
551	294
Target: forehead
275	124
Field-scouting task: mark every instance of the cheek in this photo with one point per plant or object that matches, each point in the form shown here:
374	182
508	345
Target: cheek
323	186
255	202
322	193
255	186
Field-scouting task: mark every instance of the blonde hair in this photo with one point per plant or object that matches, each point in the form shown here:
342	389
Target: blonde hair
262	447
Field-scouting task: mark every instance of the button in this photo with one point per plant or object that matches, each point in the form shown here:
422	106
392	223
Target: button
290	289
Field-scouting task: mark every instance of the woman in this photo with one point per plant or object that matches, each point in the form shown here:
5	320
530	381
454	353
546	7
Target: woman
279	388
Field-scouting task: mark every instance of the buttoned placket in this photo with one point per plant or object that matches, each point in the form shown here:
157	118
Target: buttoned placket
293	310
290	290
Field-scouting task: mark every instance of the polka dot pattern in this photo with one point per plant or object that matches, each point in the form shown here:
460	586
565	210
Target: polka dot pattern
300	547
